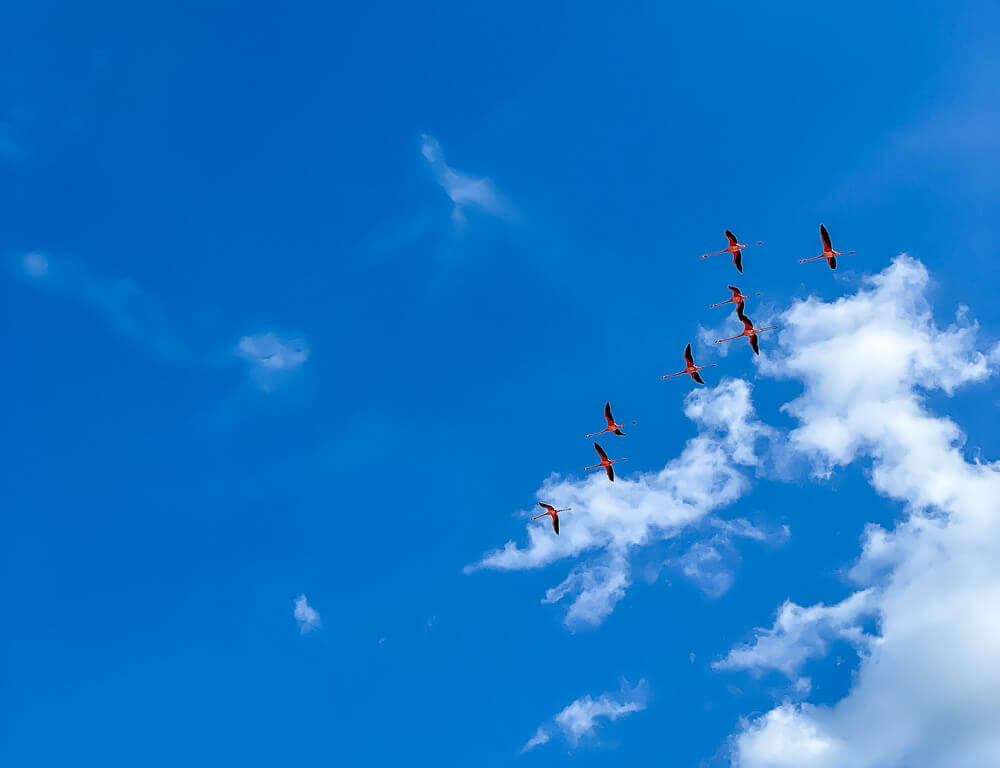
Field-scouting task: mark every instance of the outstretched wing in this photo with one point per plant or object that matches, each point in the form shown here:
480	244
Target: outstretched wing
747	322
555	524
689	359
607	414
611	473
738	261
755	344
732	238
832	261
545	506
826	238
736	291
600	451
697	377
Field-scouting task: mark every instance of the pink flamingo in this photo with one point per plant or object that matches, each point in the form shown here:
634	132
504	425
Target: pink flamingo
605	462
550	510
691	368
750	332
735	247
828	253
737	298
612	426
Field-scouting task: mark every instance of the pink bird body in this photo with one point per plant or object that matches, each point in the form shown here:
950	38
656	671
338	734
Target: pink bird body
737	298
735	247
553	513
690	368
605	462
612	427
750	332
828	253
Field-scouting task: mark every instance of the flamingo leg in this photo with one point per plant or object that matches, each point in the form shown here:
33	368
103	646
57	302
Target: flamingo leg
595	434
719	341
721	303
714	253
803	261
671	375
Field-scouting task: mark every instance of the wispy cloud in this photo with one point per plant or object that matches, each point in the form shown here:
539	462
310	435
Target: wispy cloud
305	615
272	356
464	190
120	301
609	521
580	719
799	634
865	362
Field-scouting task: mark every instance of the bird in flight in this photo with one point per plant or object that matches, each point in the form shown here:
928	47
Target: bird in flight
553	512
605	462
750	332
612	426
737	298
828	253
691	368
735	247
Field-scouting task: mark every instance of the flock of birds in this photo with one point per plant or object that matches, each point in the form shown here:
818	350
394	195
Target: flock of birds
738	298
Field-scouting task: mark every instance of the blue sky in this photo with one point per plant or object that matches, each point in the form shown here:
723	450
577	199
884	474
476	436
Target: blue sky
314	301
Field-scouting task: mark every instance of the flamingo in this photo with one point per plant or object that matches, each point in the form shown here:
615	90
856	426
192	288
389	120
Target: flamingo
735	247
750	332
612	426
828	253
691	368
550	510
737	298
605	462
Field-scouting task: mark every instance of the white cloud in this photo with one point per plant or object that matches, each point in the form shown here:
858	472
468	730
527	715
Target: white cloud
306	615
800	634
580	718
464	190
272	356
927	693
608	521
119	301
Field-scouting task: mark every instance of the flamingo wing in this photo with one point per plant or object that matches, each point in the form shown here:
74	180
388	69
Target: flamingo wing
732	238
747	322
832	261
736	291
688	357
618	432
600	452
607	415
738	261
611	472
697	377
555	523
827	244
755	344
739	306
547	507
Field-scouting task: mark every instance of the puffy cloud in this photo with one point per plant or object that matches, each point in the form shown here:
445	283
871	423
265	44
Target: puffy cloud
580	718
464	190
609	521
305	615
927	694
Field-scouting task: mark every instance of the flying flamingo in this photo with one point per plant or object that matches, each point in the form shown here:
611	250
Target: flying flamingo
737	298
828	253
605	462
612	427
735	247
550	510
691	368
749	331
